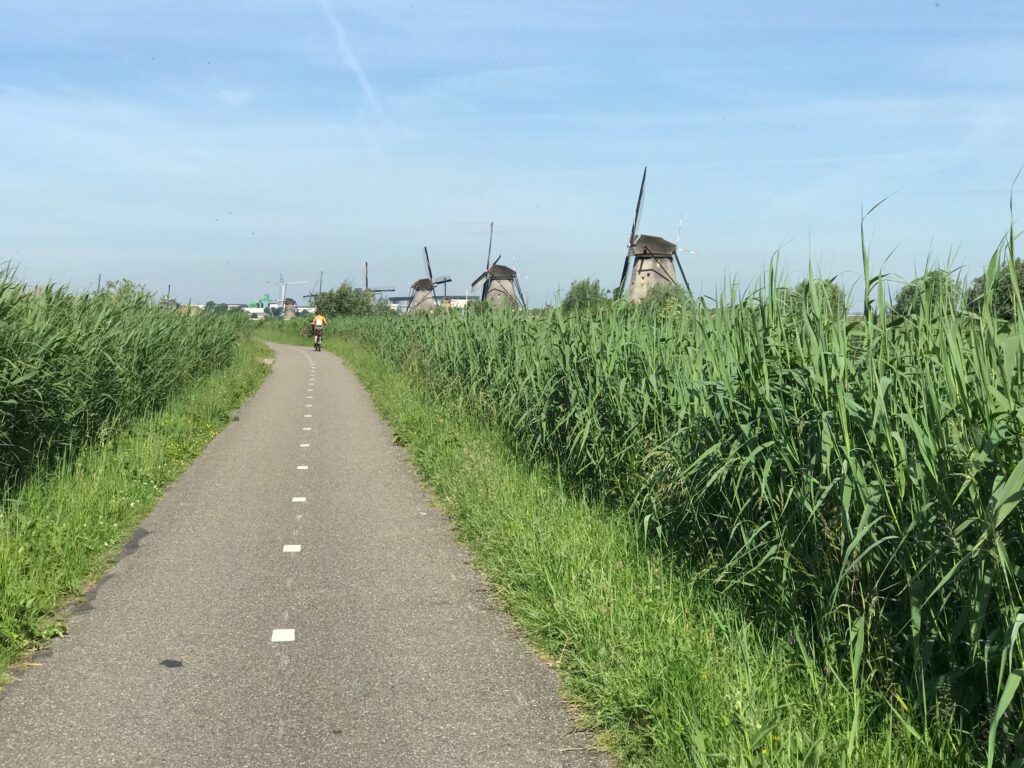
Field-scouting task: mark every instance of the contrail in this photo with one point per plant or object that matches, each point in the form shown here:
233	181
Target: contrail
349	56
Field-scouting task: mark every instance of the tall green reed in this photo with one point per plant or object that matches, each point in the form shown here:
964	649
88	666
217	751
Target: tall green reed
74	367
857	481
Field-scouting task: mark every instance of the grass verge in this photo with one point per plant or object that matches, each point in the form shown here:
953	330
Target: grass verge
63	527
665	670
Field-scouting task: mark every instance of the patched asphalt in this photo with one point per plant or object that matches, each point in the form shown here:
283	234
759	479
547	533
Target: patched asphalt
401	656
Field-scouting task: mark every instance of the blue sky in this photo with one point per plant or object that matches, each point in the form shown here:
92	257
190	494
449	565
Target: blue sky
213	146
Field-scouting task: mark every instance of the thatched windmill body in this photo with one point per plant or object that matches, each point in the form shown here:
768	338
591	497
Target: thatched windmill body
423	297
500	283
654	259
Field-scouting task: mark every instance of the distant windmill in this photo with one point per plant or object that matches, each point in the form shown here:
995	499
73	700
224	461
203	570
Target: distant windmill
311	296
500	283
423	297
287	306
366	282
654	258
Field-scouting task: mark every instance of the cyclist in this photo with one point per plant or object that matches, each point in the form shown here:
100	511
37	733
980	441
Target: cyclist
318	324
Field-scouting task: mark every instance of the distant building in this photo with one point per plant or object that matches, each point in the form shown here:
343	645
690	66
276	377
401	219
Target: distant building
452	301
456	302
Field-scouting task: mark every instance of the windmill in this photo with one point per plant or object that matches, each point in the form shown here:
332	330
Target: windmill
366	282
286	305
501	285
654	258
311	296
423	297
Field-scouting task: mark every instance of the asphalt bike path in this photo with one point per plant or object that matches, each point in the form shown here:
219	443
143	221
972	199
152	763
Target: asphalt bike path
293	600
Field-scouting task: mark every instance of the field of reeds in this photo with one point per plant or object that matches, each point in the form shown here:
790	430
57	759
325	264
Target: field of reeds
75	367
855	483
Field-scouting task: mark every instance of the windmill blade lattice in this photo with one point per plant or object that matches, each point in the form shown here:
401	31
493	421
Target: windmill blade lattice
426	259
632	231
490	242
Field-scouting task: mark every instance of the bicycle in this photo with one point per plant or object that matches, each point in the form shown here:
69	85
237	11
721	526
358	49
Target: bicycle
318	339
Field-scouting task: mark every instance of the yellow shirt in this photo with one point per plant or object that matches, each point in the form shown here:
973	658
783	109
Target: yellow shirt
319	320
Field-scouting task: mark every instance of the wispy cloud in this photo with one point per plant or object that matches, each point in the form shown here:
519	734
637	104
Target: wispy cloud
348	55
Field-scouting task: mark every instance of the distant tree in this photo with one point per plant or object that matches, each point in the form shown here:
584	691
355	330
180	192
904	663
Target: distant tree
667	299
826	294
215	308
1001	290
584	295
126	290
346	299
936	288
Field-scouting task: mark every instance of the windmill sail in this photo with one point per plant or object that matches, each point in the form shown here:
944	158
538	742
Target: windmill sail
490	242
632	232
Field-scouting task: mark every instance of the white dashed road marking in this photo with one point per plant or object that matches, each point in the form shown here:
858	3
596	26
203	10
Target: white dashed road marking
282	636
302	466
299	499
292	548
303	445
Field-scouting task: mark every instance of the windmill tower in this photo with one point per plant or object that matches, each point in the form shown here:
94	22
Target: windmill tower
500	283
423	297
654	259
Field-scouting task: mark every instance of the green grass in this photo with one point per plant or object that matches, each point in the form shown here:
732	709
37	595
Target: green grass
288	332
63	525
667	670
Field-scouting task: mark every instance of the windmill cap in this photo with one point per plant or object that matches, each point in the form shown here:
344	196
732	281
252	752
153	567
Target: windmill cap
501	272
425	284
649	245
